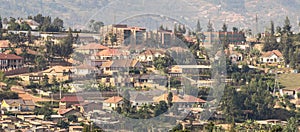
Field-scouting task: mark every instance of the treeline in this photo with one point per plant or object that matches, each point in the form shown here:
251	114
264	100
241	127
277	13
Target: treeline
284	40
44	23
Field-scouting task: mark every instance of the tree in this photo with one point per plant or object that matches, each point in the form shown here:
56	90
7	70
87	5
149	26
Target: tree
126	99
1	26
72	118
235	29
25	27
66	46
287	25
161	108
224	28
292	125
95	25
59	23
62	124
210	27
170	99
45	110
198	28
272	28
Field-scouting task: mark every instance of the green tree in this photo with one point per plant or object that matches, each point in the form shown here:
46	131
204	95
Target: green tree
58	23
66	46
1	26
210	26
224	28
72	118
62	124
170	99
235	29
25	27
126	98
198	28
292	125
287	25
45	110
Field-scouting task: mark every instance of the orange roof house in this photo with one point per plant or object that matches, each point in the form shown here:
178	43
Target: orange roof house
92	48
68	101
112	102
274	56
114	99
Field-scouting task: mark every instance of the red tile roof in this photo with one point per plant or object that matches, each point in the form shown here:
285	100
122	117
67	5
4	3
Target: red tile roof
114	99
109	52
72	99
64	111
10	57
269	53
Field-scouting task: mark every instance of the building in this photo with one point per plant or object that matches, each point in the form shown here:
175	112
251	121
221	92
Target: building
149	55
110	54
140	99
219	37
115	66
234	56
112	102
124	34
68	101
10	62
17	105
162	37
274	56
4	45
91	48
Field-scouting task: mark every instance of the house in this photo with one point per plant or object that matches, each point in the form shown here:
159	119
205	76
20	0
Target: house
149	55
178	70
17	105
33	24
84	69
124	65
139	99
69	111
288	92
4	45
68	101
91	48
61	73
150	80
234	56
274	56
10	62
110	54
112	102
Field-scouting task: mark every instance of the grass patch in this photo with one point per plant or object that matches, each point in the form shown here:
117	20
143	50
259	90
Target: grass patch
290	81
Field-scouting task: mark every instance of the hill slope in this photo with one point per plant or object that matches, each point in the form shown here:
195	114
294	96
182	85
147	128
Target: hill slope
242	13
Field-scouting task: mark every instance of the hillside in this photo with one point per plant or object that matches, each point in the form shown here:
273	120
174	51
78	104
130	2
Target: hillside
242	13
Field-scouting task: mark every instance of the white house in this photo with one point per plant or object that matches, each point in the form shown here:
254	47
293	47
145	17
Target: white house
274	56
149	55
112	102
